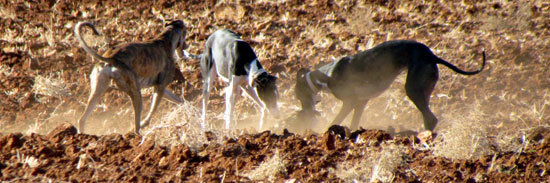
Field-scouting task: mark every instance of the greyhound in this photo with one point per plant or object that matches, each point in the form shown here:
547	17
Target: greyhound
236	63
133	66
357	78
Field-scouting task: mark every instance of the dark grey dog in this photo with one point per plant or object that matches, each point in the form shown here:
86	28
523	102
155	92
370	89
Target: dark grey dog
236	63
357	78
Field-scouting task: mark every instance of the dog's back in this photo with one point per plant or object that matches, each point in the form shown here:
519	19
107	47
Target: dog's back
229	53
367	74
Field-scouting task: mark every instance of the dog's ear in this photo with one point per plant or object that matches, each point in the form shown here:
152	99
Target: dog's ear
301	72
322	77
167	22
264	79
175	23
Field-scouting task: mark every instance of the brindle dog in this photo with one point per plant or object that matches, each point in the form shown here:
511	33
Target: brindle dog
357	78
134	66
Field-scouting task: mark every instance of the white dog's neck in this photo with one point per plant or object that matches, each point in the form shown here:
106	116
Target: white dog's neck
254	71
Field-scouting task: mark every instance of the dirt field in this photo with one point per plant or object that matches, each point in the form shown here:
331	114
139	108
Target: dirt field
494	126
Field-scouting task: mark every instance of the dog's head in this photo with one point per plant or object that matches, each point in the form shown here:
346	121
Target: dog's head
266	88
178	28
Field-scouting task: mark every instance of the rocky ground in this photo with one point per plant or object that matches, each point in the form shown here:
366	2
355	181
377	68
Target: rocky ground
493	126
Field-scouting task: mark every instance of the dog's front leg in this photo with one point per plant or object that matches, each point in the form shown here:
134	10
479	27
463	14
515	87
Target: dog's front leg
232	92
159	92
252	94
262	118
344	111
357	113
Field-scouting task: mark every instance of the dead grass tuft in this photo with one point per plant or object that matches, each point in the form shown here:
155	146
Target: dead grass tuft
511	140
52	85
268	169
465	138
183	126
379	166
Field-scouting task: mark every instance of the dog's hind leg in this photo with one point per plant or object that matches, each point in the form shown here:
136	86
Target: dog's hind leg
208	79
128	82
99	80
357	112
420	83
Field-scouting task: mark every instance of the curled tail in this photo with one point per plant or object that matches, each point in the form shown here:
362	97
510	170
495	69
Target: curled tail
456	69
85	45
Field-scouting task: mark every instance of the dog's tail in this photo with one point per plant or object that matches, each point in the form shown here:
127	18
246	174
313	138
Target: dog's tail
456	69
85	45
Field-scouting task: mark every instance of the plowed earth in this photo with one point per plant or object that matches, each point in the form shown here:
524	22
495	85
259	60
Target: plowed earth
37	40
65	155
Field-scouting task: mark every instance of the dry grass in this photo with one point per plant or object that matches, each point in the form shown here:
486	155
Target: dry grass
462	141
378	167
182	125
52	85
268	169
465	138
511	140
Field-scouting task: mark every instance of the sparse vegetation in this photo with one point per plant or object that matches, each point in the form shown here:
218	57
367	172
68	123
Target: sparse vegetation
51	86
268	169
379	166
182	126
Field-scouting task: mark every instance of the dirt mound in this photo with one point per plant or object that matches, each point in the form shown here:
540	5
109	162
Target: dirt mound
64	155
